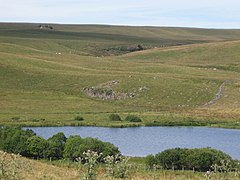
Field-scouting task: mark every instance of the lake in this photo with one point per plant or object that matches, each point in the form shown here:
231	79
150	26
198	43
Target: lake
141	141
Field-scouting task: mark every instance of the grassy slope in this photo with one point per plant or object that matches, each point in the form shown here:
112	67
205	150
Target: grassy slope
38	83
32	169
23	168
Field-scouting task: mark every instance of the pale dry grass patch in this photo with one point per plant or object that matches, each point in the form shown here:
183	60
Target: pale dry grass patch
17	167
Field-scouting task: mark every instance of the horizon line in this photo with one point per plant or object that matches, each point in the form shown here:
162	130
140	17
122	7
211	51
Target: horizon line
122	25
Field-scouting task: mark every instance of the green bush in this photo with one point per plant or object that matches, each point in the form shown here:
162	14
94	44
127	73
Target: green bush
13	139
37	120
25	142
75	146
133	118
37	147
172	158
56	145
114	117
200	159
150	161
72	147
78	118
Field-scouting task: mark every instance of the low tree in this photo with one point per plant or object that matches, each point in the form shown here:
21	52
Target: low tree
13	139
75	146
37	147
71	149
200	159
172	158
56	145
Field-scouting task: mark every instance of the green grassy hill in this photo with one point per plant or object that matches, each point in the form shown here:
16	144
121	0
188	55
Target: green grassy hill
16	167
44	72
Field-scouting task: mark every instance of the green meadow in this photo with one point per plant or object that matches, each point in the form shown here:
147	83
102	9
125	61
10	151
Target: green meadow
44	74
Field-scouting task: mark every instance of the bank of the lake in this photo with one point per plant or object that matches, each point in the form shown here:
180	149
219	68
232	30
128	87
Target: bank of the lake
141	141
102	119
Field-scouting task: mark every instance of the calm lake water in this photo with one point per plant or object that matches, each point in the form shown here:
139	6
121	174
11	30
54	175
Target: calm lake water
141	141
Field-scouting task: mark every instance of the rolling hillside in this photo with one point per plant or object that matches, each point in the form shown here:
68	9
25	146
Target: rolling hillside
49	76
16	167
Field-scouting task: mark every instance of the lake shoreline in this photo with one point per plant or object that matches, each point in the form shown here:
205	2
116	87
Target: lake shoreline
122	124
142	141
102	119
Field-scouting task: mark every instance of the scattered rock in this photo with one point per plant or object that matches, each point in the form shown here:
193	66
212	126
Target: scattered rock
100	93
104	91
131	95
41	26
144	88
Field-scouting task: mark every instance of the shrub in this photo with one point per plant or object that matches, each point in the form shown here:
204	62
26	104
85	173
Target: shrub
200	158
56	145
133	118
150	161
26	143
37	120
172	158
13	139
78	118
75	146
114	117
72	147
37	147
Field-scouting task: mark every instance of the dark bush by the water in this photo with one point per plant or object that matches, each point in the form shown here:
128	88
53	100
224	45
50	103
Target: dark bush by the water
133	118
75	146
151	161
114	117
56	145
199	159
78	118
13	140
37	147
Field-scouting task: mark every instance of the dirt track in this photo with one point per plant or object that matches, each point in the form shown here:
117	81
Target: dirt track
217	96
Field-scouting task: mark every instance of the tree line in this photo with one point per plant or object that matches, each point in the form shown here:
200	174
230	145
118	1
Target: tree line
27	143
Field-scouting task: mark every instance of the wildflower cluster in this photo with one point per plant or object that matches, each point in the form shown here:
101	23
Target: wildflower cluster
90	160
221	171
116	166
